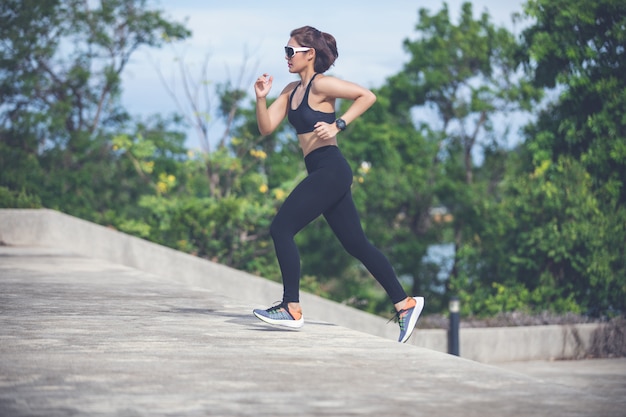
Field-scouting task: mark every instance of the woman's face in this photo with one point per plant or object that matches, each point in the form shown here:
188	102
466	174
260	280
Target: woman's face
297	55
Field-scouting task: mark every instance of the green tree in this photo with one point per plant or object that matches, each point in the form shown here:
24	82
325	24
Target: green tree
459	77
539	246
555	237
59	87
578	48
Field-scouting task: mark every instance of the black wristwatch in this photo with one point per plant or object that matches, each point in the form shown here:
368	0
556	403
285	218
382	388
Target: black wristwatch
341	124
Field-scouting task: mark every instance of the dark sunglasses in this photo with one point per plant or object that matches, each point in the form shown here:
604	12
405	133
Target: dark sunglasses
290	51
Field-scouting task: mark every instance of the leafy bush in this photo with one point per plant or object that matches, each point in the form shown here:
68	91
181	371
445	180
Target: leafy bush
18	199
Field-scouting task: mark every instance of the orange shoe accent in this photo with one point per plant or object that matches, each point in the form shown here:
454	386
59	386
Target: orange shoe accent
295	314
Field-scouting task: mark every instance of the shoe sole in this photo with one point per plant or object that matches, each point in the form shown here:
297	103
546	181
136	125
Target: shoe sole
419	306
292	324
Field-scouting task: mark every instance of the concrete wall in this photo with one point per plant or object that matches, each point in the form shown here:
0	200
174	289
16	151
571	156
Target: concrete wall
49	228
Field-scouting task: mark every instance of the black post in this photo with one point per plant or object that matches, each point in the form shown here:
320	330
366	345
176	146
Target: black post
453	331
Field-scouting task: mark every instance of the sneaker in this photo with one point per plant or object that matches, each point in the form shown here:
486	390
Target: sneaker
281	316
407	317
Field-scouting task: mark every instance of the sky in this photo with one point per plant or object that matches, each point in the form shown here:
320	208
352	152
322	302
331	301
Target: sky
227	34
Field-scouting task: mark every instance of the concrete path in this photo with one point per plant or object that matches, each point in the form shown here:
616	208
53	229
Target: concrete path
601	377
85	337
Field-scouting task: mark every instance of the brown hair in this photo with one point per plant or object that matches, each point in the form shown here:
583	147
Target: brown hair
324	44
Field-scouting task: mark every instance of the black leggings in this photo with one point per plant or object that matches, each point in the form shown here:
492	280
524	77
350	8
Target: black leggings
326	190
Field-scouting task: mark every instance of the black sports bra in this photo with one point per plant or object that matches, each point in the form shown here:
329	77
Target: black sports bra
304	117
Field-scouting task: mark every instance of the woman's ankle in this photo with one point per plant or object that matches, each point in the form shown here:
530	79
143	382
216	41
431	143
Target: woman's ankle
295	310
403	304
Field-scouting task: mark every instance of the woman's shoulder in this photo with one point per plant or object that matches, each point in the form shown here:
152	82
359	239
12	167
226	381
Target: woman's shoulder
328	83
290	87
334	87
323	80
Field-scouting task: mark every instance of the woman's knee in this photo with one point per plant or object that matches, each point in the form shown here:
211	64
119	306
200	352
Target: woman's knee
275	229
357	248
280	229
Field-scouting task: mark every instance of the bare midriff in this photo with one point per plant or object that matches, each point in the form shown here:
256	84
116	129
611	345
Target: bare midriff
310	142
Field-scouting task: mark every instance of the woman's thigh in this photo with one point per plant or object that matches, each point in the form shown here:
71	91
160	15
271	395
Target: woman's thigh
313	196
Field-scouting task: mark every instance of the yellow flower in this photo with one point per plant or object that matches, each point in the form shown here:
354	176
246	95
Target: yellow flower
540	170
263	188
279	194
162	187
258	154
147	166
165	183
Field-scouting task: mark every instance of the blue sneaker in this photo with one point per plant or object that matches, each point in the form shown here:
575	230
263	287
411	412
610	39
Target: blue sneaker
280	315
407	317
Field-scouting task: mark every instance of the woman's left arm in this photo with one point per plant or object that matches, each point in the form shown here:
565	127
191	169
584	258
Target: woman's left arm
362	98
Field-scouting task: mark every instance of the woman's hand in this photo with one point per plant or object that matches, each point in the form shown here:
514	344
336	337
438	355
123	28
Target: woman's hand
263	85
326	131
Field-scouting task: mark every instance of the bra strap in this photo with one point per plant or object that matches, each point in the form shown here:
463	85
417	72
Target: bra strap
306	92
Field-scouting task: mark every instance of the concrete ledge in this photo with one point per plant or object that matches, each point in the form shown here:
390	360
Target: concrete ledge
514	344
49	228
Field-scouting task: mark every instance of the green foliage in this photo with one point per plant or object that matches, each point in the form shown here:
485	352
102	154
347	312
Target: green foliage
228	231
17	199
553	238
579	49
60	107
464	74
542	246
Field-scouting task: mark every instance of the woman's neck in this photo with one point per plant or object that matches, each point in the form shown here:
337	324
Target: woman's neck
306	77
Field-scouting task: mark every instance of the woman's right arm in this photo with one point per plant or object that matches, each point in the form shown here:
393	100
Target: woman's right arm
268	118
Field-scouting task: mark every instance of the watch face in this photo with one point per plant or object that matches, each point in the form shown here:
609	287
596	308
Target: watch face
341	124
